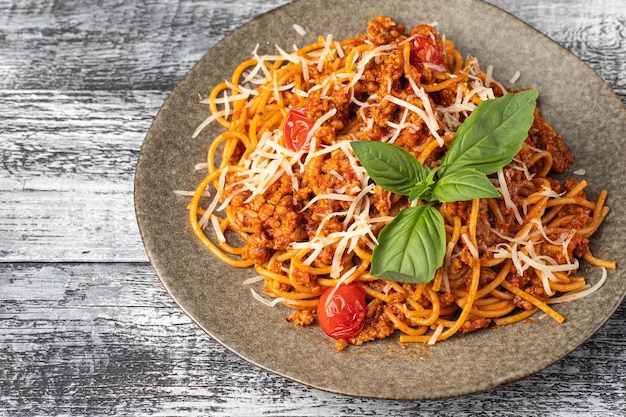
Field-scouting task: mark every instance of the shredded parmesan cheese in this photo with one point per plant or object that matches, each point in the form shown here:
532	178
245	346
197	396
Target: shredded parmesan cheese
436	333
269	303
470	246
253	280
430	120
579	294
299	29
508	202
207	122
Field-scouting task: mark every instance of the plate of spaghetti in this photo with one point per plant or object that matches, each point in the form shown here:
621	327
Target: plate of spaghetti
388	202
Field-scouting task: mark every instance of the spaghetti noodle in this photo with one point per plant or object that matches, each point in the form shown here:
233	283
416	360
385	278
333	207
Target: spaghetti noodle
306	215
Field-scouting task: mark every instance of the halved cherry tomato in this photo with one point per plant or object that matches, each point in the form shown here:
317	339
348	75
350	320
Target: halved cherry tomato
425	50
296	129
342	316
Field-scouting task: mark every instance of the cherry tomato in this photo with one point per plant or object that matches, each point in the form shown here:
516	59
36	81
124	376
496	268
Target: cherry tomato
424	49
342	316
296	129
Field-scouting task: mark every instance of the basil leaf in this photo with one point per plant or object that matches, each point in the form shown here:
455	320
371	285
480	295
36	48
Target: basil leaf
411	247
492	134
464	184
423	189
390	166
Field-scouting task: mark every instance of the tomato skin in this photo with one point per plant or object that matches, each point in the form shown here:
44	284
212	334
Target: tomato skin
424	49
343	315
297	127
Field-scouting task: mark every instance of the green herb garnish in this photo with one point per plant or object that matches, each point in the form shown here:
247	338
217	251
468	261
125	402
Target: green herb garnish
412	246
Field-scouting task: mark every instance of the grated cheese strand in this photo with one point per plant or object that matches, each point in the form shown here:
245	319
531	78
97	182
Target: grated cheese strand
431	122
580	294
508	202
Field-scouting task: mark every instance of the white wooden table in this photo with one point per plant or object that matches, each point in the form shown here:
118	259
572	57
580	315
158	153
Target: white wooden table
85	326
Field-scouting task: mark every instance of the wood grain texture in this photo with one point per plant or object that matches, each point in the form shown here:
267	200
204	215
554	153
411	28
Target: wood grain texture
68	161
85	326
130	45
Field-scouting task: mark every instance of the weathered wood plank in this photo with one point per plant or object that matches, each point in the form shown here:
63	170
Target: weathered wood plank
90	135
127	45
75	221
107	339
66	173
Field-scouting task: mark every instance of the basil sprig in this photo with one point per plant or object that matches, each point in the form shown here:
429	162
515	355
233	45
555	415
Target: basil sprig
412	246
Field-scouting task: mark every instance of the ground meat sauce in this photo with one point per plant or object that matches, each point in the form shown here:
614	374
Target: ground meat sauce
276	219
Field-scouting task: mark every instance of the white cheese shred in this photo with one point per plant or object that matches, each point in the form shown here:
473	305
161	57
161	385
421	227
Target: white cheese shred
470	246
435	336
579	294
508	202
299	29
253	280
207	122
267	302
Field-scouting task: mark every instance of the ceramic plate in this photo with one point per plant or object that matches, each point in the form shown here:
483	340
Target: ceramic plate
573	98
